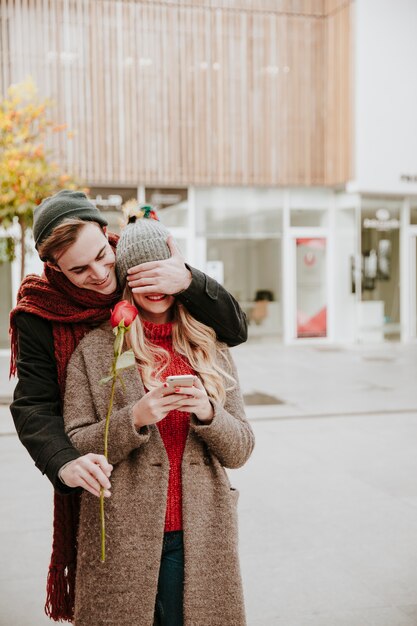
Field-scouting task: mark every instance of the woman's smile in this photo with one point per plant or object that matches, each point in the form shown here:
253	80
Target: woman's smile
156	297
154	307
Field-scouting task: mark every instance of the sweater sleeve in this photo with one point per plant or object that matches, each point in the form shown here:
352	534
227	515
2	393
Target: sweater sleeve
212	305
229	435
86	429
36	407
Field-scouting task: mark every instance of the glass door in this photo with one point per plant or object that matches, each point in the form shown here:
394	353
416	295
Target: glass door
311	286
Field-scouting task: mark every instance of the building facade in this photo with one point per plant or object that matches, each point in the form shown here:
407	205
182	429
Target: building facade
277	137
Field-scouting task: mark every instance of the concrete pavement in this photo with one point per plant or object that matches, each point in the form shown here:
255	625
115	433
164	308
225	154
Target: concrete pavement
328	501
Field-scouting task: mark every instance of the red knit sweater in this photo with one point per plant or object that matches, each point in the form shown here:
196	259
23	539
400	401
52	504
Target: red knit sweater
174	428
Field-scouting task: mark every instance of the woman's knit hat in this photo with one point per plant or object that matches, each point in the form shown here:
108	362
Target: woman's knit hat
143	239
56	208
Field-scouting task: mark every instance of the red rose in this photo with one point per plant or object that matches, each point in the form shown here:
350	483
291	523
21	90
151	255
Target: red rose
121	318
123	312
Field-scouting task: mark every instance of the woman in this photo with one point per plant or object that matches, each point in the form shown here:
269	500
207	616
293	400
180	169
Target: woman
53	312
170	492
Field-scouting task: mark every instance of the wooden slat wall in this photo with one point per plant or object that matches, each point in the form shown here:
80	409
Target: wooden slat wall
331	6
339	95
304	7
227	92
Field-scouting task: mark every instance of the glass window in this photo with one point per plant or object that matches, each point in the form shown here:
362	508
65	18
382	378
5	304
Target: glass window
309	217
234	221
309	207
239	212
250	270
171	204
242	227
109	200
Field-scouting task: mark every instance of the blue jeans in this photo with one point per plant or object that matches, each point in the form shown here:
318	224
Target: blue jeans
169	599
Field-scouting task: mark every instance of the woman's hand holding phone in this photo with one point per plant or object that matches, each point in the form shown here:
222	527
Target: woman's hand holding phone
155	405
195	400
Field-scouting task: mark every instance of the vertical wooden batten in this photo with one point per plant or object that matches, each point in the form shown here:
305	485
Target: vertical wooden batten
338	105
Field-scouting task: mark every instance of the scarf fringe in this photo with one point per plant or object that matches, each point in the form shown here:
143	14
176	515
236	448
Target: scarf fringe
13	351
60	593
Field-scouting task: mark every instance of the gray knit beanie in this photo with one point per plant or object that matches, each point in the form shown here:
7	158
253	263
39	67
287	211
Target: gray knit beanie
143	239
55	209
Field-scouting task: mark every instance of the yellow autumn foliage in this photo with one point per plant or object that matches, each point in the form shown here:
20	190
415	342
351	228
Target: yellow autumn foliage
28	171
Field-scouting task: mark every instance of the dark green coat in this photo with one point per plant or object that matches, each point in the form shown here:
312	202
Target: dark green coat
36	407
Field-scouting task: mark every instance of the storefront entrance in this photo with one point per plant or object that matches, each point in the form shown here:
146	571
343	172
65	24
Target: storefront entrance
380	248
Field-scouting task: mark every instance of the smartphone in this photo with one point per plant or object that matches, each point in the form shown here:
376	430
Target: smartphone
183	380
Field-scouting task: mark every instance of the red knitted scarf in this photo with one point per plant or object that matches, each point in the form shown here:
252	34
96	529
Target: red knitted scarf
73	312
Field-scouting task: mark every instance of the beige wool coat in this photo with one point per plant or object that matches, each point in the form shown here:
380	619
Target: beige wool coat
122	591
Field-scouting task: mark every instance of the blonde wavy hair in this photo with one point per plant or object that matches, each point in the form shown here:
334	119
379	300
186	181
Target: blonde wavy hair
191	339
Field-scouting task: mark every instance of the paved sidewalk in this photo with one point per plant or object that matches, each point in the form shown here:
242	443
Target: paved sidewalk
315	380
328	504
328	380
6	385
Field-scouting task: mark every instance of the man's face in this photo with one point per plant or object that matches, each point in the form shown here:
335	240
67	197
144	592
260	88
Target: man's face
89	262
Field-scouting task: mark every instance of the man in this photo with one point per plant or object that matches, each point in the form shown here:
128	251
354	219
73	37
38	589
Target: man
79	281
